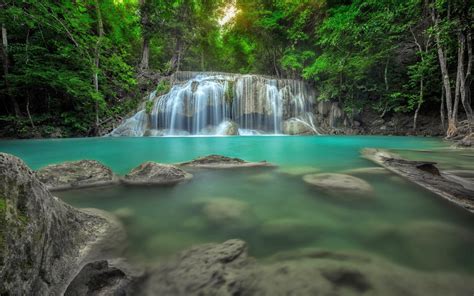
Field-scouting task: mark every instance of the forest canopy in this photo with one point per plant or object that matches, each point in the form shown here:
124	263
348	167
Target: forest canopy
77	63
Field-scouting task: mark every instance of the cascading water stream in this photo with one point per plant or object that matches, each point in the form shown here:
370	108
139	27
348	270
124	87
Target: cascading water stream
222	104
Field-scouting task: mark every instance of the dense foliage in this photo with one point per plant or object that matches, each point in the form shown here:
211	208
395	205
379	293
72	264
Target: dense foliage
78	63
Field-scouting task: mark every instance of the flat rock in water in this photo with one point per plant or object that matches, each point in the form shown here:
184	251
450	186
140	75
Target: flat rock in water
453	188
152	173
44	242
223	162
344	185
76	174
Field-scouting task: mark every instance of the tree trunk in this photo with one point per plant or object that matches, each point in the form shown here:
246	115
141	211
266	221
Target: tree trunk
16	107
459	76
28	110
175	61
441	109
100	32
420	101
202	61
443	63
144	63
465	86
275	65
144	20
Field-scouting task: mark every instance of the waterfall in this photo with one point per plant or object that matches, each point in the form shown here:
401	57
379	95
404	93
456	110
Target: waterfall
213	103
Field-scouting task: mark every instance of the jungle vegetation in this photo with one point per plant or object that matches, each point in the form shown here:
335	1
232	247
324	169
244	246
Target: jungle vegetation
75	64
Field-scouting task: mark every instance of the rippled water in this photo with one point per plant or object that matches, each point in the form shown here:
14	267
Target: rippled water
272	209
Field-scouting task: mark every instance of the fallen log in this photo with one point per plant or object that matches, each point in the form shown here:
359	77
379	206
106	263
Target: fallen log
457	190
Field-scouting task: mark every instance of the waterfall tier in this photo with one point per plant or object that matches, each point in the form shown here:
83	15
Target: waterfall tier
224	104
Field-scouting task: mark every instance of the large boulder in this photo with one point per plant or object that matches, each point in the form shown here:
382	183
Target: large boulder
222	162
340	184
467	141
211	269
44	242
76	174
152	173
296	126
228	128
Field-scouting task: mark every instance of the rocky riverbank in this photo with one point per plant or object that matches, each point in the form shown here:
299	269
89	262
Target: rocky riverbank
51	248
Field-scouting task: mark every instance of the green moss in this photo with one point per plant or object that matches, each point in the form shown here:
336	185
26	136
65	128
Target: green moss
163	87
3	203
23	219
3	206
229	93
149	107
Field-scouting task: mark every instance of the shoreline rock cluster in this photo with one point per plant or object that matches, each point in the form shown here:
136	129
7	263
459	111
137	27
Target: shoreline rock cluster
91	173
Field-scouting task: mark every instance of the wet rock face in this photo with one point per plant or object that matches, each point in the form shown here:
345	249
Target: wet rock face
76	174
43	242
153	173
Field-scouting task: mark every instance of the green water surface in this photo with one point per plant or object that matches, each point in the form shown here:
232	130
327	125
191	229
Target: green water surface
272	209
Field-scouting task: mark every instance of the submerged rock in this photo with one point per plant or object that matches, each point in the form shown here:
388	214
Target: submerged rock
264	177
229	213
125	214
226	269
152	173
222	162
43	241
415	240
298	170
289	229
368	171
340	184
76	174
